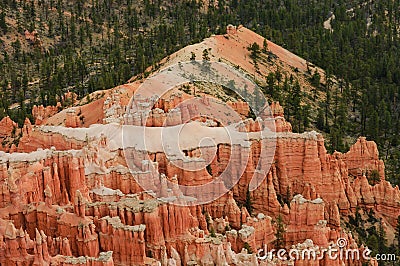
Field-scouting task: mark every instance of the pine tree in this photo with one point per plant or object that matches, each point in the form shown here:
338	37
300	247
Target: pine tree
3	24
248	248
372	243
212	232
254	49
192	56
372	128
381	238
249	203
280	232
265	46
206	57
316	79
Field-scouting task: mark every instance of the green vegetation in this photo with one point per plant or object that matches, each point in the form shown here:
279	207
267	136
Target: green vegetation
84	46
280	232
373	177
254	50
206	57
288	92
370	231
249	204
248	248
363	57
212	232
98	44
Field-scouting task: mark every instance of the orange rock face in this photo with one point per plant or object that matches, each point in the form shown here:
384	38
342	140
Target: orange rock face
7	126
41	113
56	206
72	119
83	196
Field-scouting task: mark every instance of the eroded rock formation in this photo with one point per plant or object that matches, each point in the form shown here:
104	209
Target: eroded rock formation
85	206
112	194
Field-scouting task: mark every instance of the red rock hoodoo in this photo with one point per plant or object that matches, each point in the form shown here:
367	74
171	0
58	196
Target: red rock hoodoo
98	196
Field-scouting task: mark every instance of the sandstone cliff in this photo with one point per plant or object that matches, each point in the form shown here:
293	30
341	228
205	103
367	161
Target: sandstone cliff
85	202
72	189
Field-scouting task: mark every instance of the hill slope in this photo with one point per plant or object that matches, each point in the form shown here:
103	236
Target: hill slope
73	185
